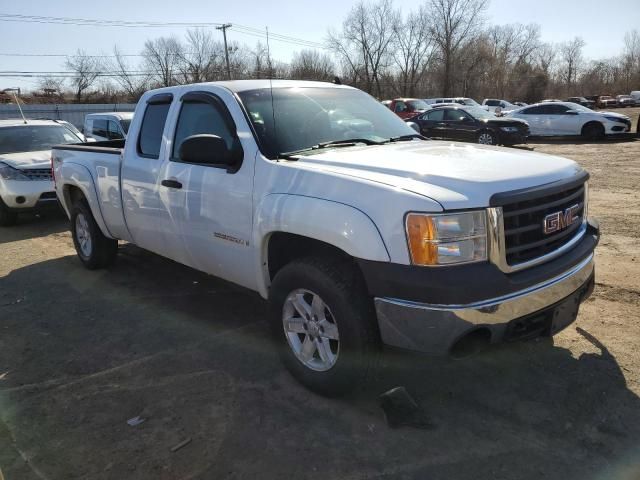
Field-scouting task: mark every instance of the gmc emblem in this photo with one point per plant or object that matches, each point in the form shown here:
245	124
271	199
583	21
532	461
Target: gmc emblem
554	222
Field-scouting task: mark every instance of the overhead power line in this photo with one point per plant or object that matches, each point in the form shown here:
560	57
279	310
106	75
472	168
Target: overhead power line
241	29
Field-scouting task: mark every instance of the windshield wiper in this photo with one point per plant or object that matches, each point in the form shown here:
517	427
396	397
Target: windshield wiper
404	138
334	143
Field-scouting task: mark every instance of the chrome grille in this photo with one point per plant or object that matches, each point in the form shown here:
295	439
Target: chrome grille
37	173
524	237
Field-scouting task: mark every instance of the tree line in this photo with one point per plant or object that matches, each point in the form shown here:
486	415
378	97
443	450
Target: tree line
444	48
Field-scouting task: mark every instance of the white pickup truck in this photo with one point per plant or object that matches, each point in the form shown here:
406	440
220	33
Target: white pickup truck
358	231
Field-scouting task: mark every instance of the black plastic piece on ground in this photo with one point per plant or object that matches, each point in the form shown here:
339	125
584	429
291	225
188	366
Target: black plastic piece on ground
401	410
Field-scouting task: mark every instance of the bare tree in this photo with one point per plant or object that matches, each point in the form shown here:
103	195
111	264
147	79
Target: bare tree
133	83
201	57
364	42
453	22
312	65
162	58
51	85
86	70
631	59
571	57
413	50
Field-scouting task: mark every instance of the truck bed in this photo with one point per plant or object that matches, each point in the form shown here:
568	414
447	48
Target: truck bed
99	163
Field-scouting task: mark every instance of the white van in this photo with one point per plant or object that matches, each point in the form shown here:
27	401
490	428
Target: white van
107	126
636	96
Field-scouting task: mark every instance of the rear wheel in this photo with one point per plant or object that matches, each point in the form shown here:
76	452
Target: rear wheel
323	323
486	138
593	131
7	217
93	248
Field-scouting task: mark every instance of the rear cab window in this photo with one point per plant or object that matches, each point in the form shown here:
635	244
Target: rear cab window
152	127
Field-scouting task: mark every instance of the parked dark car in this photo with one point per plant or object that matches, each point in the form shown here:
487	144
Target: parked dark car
471	124
585	102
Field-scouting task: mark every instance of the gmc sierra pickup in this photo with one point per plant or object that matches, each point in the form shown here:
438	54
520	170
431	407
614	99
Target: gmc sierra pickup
358	231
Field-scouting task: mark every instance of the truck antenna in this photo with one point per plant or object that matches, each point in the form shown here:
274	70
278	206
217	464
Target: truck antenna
19	107
273	108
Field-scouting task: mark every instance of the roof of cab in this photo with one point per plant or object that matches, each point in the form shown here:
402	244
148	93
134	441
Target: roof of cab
244	85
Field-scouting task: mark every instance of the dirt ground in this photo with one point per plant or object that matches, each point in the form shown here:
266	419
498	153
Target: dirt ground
82	352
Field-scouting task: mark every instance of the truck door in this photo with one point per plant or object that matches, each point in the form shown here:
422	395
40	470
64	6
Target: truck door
212	206
147	217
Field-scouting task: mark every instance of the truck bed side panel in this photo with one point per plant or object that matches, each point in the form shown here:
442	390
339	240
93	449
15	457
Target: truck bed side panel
103	163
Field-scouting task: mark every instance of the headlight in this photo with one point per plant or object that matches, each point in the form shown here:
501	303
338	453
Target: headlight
10	173
509	129
446	239
616	119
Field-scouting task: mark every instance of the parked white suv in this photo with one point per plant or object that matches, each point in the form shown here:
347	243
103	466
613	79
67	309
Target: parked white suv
566	118
498	106
357	230
107	126
470	102
25	165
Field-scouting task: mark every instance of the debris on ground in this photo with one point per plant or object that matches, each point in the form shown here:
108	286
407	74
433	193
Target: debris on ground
401	410
183	443
132	422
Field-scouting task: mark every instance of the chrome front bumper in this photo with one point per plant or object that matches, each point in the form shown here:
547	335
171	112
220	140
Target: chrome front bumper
435	328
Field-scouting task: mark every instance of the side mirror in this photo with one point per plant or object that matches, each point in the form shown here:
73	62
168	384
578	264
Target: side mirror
415	126
206	149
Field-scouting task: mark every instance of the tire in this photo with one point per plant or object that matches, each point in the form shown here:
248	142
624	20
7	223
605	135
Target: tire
93	248
486	137
348	329
7	217
593	131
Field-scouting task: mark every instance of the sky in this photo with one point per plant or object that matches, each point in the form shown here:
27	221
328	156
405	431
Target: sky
602	29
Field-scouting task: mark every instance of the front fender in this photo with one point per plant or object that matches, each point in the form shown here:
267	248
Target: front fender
338	224
76	175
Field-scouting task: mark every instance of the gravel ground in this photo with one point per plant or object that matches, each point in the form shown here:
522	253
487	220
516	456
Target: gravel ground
82	352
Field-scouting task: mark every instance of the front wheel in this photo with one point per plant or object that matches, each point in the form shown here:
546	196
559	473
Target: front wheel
593	131
486	138
323	323
93	248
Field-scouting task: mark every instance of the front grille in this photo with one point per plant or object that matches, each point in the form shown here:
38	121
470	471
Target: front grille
37	173
523	224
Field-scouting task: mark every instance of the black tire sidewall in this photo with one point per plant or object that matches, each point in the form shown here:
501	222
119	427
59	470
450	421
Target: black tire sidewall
94	260
7	217
352	316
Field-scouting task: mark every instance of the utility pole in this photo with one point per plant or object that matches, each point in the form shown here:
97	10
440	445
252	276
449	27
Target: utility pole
226	49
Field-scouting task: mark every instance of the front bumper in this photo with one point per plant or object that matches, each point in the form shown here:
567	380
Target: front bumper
513	138
542	309
27	194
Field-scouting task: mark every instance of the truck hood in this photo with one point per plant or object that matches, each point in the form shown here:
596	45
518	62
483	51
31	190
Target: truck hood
23	160
457	175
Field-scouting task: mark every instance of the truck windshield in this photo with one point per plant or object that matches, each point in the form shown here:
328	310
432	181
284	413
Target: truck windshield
33	138
299	118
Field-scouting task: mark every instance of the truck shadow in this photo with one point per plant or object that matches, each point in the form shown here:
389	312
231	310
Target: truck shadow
85	351
34	226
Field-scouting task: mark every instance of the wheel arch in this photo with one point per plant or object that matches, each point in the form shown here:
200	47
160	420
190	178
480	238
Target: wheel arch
78	182
592	122
292	226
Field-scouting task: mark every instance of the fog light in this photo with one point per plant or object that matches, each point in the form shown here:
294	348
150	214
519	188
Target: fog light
20	200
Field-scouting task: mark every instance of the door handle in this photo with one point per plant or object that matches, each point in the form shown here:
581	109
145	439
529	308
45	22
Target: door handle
171	184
